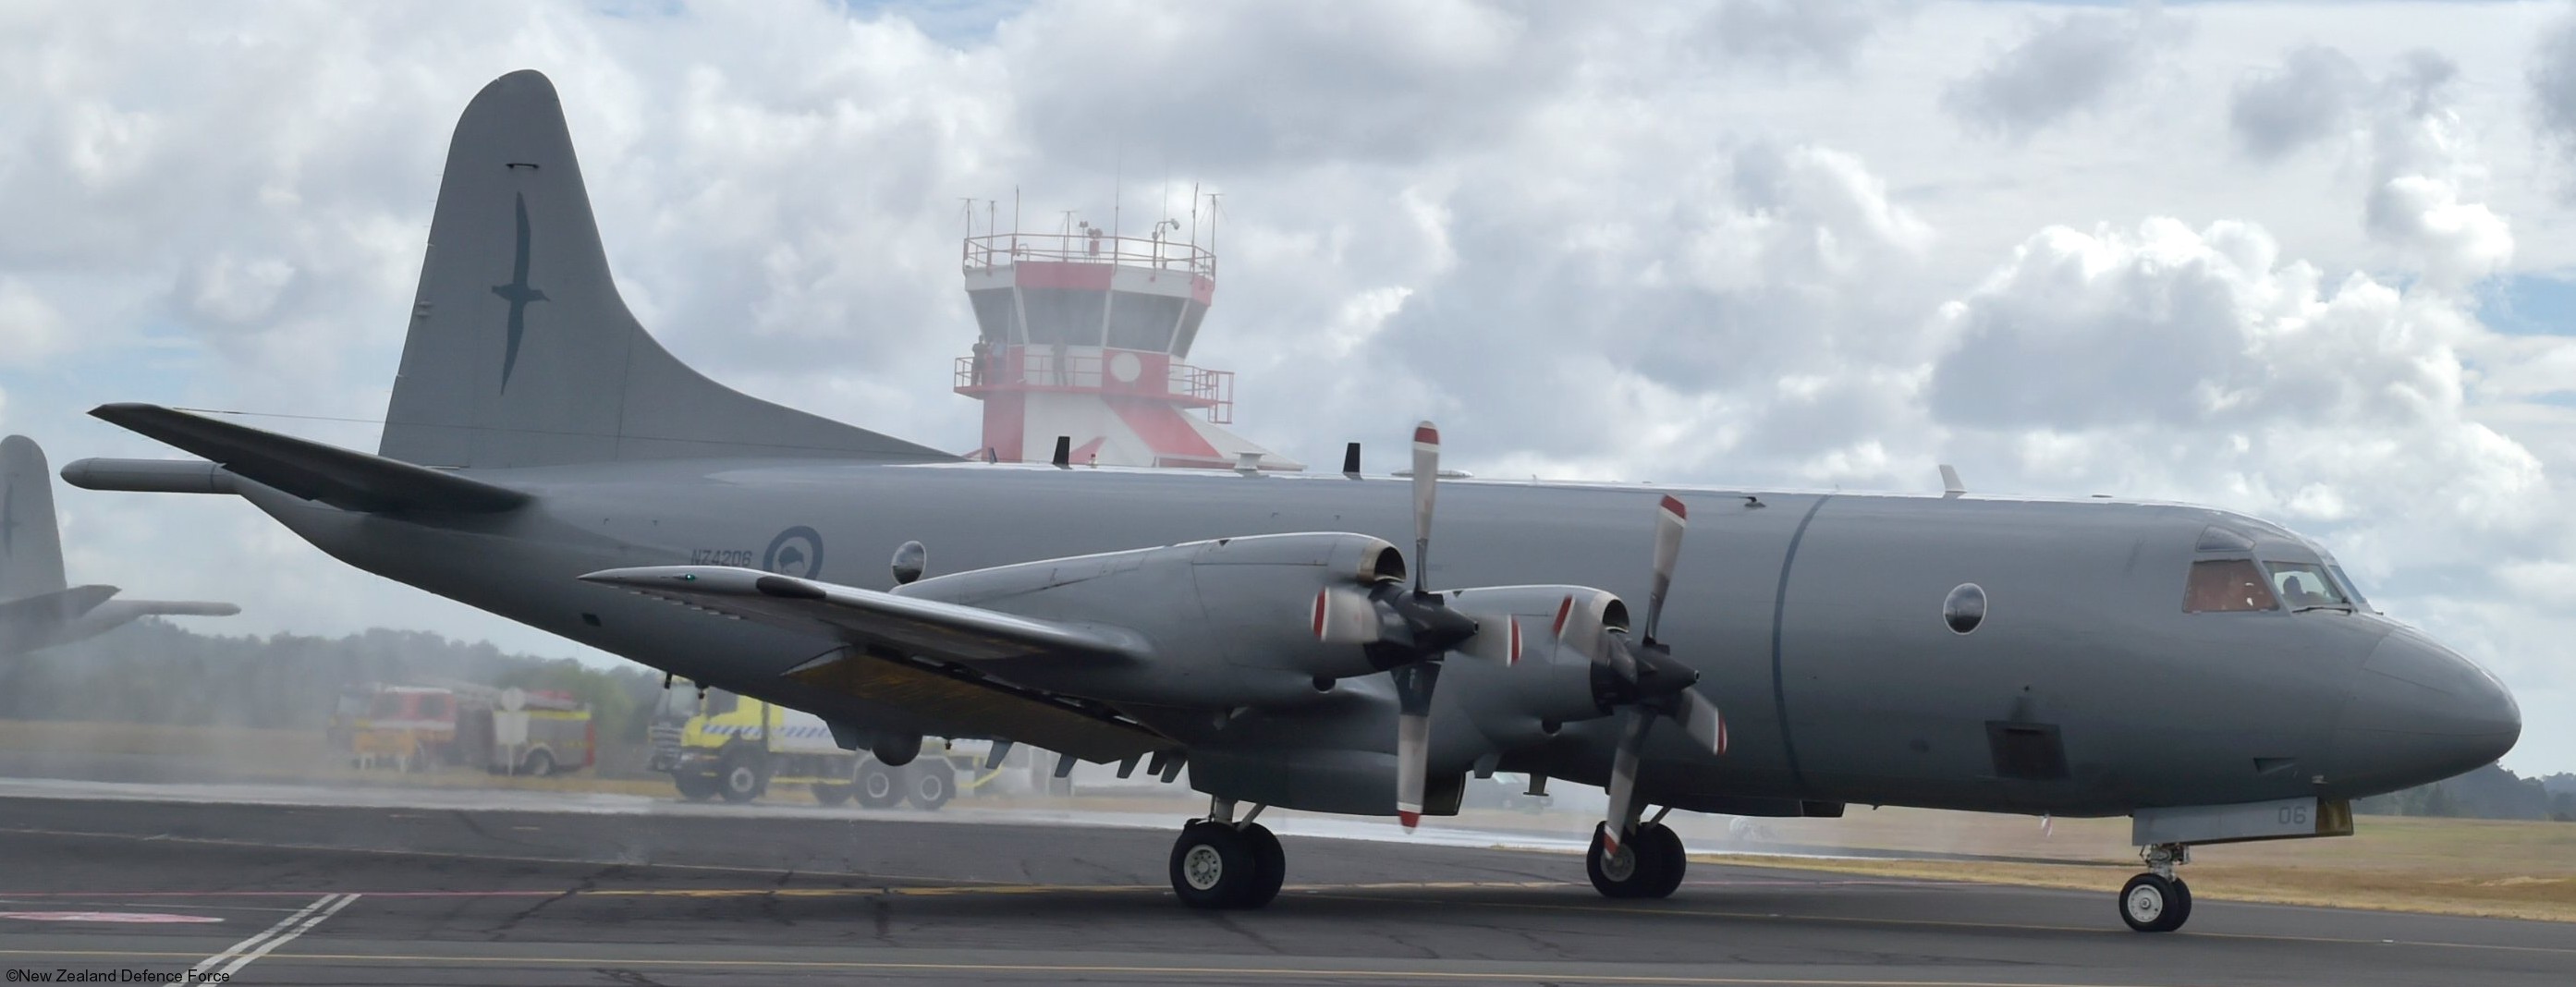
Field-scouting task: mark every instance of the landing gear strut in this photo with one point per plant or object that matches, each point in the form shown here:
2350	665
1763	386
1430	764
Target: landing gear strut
1222	863
2157	901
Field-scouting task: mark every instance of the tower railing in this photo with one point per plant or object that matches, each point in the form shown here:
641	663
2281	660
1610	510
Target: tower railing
1033	368
1003	249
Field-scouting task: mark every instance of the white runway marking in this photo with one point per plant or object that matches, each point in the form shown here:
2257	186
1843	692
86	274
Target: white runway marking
241	953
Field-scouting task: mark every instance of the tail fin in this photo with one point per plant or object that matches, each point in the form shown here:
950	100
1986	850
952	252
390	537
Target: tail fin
31	548
521	353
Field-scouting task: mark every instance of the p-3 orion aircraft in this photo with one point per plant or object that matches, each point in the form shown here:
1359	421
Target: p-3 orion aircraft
2213	676
38	608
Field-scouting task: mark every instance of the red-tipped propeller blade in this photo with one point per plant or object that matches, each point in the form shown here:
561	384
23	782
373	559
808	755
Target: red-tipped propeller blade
1413	686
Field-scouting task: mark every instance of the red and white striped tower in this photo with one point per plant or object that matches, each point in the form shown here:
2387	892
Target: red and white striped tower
1082	334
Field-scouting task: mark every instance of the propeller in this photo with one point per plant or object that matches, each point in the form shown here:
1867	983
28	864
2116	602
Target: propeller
1641	679
1415	680
1405	631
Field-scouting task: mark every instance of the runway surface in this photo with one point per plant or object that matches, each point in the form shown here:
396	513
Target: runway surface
411	893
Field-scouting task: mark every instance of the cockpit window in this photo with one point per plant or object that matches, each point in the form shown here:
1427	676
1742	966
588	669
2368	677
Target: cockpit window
2305	586
2349	590
2223	585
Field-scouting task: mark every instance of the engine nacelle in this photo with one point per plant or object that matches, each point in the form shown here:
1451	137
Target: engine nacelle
1531	663
1232	621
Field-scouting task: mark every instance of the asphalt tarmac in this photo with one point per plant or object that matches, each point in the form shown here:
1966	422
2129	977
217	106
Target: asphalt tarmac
136	890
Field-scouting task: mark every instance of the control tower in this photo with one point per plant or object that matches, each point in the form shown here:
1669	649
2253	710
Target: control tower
1083	334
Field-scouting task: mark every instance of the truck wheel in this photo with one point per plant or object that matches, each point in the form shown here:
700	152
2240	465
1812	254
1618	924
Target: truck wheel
538	764
694	787
879	786
933	784
831	794
739	778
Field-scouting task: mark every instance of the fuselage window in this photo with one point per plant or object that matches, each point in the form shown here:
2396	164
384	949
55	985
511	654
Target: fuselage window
2303	585
2223	585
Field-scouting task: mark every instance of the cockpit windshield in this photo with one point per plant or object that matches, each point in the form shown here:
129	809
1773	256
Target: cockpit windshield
2224	585
2306	586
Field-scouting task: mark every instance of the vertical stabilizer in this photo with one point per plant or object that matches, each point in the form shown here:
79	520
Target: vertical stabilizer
520	351
31	548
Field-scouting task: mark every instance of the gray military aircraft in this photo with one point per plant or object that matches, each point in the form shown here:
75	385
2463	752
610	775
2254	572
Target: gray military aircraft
38	608
2213	676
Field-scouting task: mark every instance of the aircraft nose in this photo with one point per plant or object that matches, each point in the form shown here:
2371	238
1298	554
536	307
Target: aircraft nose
2419	713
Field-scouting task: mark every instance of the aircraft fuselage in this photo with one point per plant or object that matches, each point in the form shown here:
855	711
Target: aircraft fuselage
1816	619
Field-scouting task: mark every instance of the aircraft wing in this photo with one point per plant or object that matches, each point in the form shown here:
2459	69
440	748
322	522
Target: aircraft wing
954	638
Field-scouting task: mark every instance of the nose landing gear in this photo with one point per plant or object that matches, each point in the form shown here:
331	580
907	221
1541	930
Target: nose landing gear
2157	901
1221	863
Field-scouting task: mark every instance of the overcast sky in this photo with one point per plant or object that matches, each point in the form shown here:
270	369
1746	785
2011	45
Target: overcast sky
2307	261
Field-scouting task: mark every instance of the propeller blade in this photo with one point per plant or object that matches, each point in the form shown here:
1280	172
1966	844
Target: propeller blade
1623	777
1700	719
1579	628
1345	615
1413	685
1497	640
1426	487
1670	519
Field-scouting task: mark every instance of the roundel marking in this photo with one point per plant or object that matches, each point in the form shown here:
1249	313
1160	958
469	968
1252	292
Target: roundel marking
1964	608
797	551
1125	368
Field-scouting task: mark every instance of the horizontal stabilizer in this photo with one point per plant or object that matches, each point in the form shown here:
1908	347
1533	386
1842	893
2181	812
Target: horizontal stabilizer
40	620
949	631
339	477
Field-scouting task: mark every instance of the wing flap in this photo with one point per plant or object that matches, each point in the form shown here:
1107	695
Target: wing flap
960	636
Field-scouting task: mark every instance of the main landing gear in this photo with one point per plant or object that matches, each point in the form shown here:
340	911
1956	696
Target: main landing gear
1648	864
2157	901
1222	863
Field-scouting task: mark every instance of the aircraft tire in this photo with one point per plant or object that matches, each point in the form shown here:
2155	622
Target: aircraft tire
2154	903
739	777
1663	848
831	794
1213	866
879	786
933	784
1637	871
1269	865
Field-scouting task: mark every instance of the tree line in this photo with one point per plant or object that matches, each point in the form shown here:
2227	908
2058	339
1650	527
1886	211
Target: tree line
153	671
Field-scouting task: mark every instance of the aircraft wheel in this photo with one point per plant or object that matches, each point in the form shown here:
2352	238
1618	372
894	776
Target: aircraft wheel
1659	844
2155	903
738	778
694	787
1646	866
879	786
1213	866
933	784
1269	865
831	794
